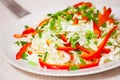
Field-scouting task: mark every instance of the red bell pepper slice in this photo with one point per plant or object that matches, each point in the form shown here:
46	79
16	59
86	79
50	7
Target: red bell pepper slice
30	52
93	64
104	9
82	49
65	48
67	66
101	46
75	21
71	55
63	37
104	17
88	4
78	4
111	20
85	18
96	29
25	33
19	35
28	30
43	22
53	66
22	50
67	44
106	50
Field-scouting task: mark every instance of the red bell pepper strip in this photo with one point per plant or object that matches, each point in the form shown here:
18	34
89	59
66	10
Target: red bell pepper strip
65	48
53	66
78	4
30	52
22	50
28	30
93	64
25	33
43	22
101	46
104	9
75	21
85	18
71	56
63	37
104	17
96	29
67	66
111	20
82	49
19	35
67	44
106	50
88	4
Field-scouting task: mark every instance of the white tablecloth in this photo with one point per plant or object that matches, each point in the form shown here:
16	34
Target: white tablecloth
8	72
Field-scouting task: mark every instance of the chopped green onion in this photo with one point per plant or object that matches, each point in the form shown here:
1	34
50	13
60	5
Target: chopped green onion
74	40
107	60
74	67
32	63
113	32
95	42
24	55
82	9
69	17
110	43
89	35
17	43
33	36
104	25
82	60
26	26
23	42
116	23
20	43
52	24
78	51
45	56
39	34
68	8
89	12
39	55
49	14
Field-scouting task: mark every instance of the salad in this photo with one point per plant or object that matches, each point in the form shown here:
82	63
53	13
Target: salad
80	36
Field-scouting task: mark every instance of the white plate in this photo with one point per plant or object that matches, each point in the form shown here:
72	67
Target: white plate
7	41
